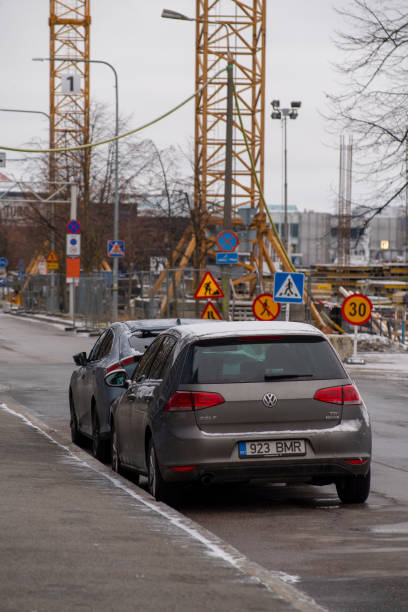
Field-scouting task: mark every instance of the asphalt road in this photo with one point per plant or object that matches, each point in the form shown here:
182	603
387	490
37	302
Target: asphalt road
346	558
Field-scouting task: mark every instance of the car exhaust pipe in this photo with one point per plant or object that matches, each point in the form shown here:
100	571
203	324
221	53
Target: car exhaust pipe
207	479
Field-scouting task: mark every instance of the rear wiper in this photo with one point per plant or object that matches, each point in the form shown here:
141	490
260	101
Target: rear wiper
282	376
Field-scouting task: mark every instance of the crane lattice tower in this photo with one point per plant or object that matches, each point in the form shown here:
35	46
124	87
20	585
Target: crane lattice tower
244	36
69	38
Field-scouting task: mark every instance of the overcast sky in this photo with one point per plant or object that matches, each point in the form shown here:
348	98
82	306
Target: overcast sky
154	59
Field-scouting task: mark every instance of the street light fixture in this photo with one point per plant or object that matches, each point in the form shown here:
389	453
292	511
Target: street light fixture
168	14
115	274
282	114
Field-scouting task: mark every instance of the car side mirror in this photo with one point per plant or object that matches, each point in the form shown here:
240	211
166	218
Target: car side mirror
80	359
117	378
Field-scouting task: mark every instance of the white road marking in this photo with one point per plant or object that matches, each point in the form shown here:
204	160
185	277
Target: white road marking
277	582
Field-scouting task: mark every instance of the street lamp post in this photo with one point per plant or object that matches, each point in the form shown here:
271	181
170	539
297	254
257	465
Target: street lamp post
283	114
227	218
115	275
50	175
37	112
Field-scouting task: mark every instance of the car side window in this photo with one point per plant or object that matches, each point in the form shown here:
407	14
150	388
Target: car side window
161	358
106	345
146	361
93	355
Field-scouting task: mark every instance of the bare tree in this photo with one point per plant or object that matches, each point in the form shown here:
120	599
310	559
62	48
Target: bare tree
373	105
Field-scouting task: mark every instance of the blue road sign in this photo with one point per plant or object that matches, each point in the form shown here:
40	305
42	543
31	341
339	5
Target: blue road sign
227	241
288	287
116	248
226	258
73	227
3	262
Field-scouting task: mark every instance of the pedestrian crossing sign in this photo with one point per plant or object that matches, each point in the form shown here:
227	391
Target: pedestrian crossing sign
210	312
288	287
208	288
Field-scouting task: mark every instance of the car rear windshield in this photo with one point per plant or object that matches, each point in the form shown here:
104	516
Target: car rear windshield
262	359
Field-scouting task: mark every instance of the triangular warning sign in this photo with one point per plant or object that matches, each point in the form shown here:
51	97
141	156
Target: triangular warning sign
208	288
210	312
288	289
52	257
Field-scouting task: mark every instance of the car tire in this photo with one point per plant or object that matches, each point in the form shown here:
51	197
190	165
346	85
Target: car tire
100	447
354	489
76	436
159	489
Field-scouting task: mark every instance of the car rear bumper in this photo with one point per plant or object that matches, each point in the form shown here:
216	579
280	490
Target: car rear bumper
317	472
216	458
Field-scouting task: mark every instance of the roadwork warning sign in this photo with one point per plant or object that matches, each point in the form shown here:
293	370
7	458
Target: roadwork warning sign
208	288
210	312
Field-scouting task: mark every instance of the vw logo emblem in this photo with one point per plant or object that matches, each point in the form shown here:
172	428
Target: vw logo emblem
269	400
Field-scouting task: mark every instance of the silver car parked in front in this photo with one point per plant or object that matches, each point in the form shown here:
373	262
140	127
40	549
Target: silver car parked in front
241	401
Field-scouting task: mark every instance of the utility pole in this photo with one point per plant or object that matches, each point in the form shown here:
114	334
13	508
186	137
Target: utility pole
73	213
227	221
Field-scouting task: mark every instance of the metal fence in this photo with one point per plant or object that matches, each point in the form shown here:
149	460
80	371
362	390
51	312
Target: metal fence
140	297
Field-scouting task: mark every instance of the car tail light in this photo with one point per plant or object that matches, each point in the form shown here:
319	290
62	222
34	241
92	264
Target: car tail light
351	395
206	400
183	468
359	461
182	401
128	360
113	366
338	395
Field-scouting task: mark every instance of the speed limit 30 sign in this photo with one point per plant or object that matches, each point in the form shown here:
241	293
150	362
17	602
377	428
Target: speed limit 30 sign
356	309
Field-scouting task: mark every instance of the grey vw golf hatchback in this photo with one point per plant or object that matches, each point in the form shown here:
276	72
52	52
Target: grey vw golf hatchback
240	401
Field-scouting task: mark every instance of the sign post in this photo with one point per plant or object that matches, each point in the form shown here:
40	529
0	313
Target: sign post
227	242
356	310
3	273
72	271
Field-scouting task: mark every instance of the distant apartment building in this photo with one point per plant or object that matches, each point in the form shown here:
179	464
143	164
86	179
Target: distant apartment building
312	236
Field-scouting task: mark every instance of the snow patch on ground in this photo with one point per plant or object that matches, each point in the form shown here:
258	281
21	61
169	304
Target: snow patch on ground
381	344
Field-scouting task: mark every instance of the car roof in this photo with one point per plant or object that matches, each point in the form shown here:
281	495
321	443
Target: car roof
157	324
245	328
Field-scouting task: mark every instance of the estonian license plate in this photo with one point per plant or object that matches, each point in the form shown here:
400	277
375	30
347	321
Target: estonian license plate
272	448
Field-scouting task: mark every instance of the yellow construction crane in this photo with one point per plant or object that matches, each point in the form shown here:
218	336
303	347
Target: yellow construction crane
69	23
229	32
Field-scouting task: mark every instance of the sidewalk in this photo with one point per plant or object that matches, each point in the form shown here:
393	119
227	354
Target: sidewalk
388	365
74	536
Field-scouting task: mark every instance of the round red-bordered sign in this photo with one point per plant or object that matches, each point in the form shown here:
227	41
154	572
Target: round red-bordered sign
73	227
356	309
227	241
264	308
